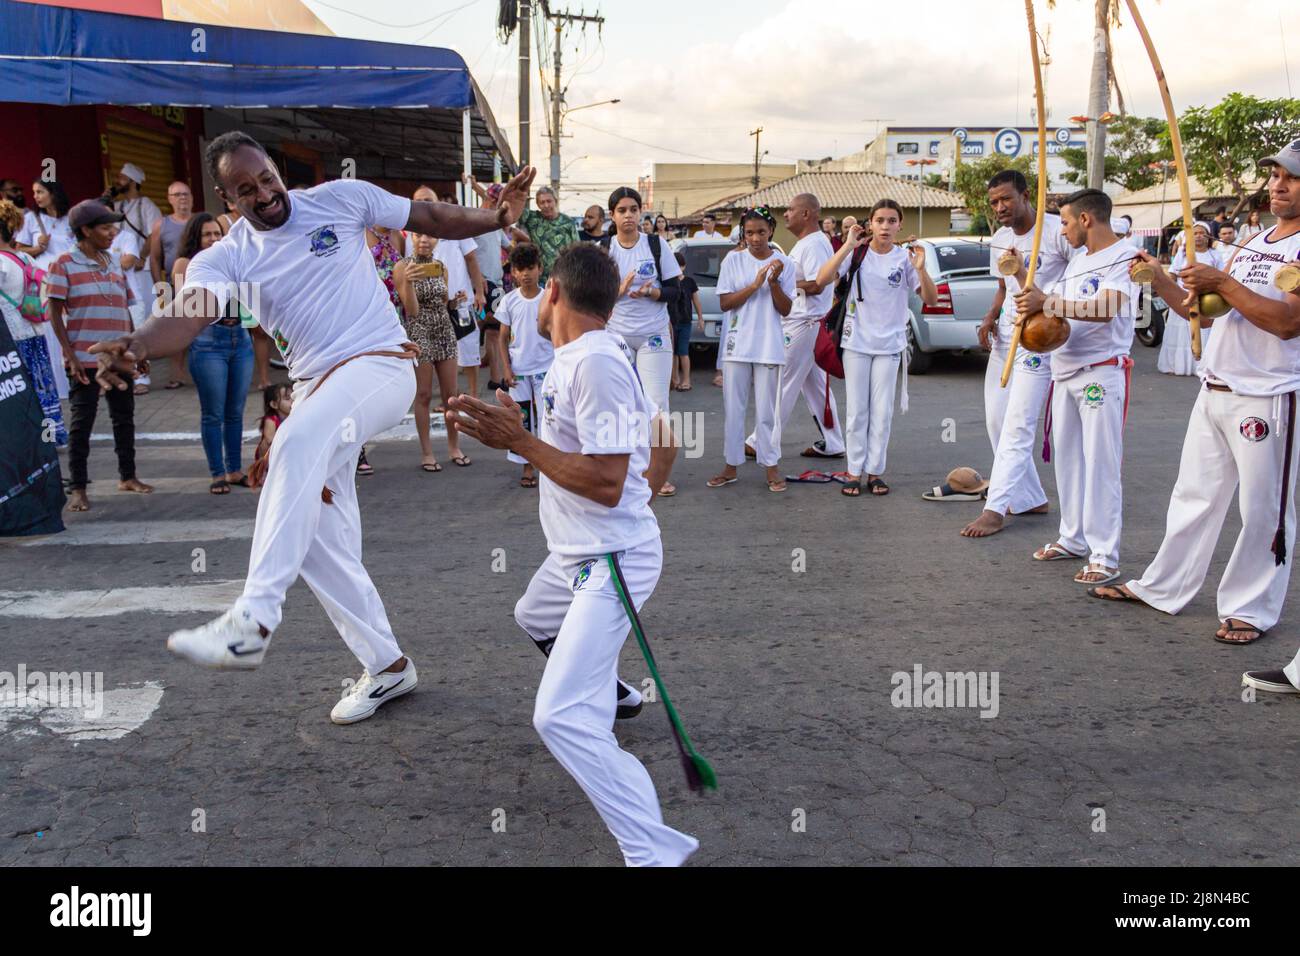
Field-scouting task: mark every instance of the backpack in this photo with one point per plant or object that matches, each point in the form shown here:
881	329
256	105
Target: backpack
670	291
29	307
828	351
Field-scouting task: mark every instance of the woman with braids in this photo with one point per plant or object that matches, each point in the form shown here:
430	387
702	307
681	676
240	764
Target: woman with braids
221	364
756	286
650	281
28	335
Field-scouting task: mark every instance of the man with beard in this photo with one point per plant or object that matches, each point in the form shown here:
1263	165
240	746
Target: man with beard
304	256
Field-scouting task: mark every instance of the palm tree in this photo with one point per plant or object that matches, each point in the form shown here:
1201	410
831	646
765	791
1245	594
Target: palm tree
1106	12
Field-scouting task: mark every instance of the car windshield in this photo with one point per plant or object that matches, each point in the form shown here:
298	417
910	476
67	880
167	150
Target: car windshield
961	256
703	262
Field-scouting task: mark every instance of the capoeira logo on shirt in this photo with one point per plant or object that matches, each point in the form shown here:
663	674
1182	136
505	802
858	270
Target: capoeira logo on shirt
731	342
1094	395
1088	288
548	404
656	342
848	330
584	572
324	241
280	342
1253	429
787	340
1033	361
645	269
896	278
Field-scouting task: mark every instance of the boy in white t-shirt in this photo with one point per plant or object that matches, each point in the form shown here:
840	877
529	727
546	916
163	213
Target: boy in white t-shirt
598	464
530	353
1090	377
306	260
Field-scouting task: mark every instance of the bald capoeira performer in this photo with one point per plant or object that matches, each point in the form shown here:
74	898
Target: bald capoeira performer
800	375
1090	375
303	254
597	465
1240	437
1011	413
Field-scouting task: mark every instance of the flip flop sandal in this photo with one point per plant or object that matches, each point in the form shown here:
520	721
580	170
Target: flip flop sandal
1053	551
1097	569
464	461
242	482
841	476
811	477
431	468
527	482
1242	628
750	453
219	487
945	492
1119	596
667	491
875	483
717	481
852	489
776	487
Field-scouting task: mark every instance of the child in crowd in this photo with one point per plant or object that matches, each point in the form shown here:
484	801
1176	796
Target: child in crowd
277	401
529	355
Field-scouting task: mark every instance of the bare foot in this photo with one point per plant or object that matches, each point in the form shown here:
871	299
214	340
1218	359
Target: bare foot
135	485
989	522
77	500
717	381
1246	633
1040	510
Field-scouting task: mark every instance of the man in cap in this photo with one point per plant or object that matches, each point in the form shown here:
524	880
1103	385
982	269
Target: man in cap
89	303
140	214
1240	437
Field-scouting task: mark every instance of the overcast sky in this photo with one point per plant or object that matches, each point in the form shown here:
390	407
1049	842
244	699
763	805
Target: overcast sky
695	76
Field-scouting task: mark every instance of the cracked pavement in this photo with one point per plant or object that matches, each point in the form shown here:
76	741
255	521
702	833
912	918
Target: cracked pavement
783	679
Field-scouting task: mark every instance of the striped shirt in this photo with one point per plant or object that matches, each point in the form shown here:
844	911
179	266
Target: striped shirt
95	298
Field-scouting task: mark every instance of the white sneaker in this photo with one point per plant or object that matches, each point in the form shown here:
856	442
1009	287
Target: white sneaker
233	641
366	695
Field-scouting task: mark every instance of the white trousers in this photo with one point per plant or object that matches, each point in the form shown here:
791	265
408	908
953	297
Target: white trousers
736	381
652	356
801	375
574	602
870	383
527	391
1088	451
1223	451
1011	416
297	533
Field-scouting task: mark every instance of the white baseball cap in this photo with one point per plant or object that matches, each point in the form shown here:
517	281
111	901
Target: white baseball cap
134	173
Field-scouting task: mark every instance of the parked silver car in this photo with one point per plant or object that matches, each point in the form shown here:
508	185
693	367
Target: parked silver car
959	266
703	262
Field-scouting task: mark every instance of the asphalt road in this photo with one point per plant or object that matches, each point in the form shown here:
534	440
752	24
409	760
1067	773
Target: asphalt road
1120	735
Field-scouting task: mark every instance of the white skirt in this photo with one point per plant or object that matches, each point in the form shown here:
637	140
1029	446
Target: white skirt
1176	348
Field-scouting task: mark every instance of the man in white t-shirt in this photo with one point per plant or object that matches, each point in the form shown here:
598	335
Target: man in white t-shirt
800	375
303	268
1240	438
1090	375
1011	413
130	254
598	463
142	213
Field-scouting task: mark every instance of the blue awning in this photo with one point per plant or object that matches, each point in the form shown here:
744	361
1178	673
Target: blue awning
65	57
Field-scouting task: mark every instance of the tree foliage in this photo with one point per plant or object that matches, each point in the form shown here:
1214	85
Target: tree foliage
1133	144
971	182
1225	142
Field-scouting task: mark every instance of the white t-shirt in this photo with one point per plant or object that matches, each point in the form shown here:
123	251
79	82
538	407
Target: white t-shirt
717	236
451	253
61	238
488	248
142	213
530	352
593	404
12	285
809	255
1086	277
127	243
641	316
1210	257
754	331
1244	357
317	292
1054	254
875	322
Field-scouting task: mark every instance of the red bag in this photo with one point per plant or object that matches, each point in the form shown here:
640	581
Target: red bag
827	351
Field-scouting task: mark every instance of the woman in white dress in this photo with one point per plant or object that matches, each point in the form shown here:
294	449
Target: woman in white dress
1176	348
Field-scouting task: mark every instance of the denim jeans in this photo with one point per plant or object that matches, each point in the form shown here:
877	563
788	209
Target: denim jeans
221	363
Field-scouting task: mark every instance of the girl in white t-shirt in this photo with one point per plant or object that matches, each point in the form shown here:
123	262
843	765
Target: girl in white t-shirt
875	337
641	313
756	285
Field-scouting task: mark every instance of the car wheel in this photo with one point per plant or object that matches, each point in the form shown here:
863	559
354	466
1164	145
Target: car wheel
918	362
1154	333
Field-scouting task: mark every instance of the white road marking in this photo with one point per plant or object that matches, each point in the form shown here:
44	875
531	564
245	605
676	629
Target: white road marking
119	712
181	599
148	532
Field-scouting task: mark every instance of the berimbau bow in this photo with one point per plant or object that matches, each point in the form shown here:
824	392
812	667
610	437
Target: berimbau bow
1180	162
1042	185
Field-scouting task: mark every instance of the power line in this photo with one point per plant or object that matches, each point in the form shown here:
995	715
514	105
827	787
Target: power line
667	149
396	26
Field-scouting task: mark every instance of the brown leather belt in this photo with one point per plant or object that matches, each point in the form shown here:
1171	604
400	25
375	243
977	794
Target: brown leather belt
1216	387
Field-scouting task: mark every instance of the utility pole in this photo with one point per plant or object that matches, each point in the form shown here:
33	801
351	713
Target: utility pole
525	76
757	134
561	19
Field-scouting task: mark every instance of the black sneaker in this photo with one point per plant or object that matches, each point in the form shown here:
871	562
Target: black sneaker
629	701
1275	682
